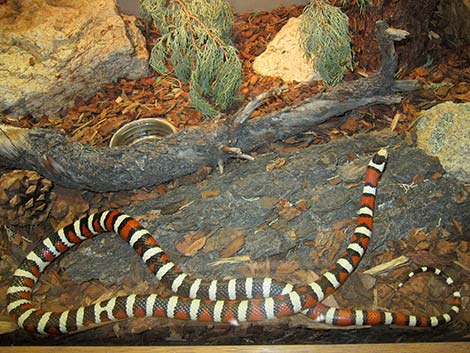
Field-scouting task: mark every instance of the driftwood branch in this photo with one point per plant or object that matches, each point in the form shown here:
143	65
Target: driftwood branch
78	165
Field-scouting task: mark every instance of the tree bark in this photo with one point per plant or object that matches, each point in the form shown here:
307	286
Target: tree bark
78	165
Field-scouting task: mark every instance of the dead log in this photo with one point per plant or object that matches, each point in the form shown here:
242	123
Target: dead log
78	165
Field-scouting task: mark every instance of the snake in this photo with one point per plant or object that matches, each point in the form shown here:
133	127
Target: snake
229	301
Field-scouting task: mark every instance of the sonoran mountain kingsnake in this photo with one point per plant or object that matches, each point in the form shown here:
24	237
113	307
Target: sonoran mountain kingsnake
232	301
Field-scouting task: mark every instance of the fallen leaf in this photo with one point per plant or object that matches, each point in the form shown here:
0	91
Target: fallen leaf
415	237
442	91
277	164
253	79
350	125
234	246
286	267
286	210
148	216
192	243
222	240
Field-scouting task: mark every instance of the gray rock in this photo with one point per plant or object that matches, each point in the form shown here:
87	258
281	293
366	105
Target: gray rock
444	132
54	52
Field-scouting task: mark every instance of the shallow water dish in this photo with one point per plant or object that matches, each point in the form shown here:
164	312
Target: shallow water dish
139	130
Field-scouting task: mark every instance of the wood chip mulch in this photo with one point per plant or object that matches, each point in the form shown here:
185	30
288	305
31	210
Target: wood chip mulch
94	122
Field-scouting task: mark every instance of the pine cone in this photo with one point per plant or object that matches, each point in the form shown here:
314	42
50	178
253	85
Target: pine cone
25	198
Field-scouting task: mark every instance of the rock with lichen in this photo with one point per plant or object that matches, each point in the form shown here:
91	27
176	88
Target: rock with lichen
444	132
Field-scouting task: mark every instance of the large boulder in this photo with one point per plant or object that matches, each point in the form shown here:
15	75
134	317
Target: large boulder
54	52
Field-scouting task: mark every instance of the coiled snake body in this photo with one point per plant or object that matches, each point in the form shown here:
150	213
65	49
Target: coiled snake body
232	301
